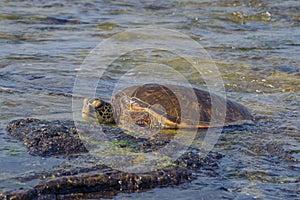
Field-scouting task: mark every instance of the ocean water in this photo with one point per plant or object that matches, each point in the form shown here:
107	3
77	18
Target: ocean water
253	47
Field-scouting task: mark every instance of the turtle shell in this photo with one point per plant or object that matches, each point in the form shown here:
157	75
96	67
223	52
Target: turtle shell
172	106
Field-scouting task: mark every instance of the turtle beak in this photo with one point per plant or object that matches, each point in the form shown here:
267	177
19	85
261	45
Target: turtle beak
88	110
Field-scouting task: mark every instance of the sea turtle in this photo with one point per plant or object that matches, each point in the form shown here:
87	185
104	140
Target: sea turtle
155	105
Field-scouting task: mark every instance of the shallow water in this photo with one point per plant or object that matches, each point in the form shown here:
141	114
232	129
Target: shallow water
255	46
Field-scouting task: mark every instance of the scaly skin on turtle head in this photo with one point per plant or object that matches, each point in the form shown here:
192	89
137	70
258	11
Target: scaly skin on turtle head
97	110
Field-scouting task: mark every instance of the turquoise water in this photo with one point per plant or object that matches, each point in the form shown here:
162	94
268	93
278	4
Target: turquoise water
255	46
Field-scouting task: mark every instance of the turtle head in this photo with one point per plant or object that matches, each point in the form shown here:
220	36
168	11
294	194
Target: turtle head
97	110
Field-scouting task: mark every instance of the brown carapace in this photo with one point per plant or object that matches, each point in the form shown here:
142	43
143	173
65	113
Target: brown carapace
170	106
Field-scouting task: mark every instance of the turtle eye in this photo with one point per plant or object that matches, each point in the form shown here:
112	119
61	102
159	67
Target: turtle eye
125	100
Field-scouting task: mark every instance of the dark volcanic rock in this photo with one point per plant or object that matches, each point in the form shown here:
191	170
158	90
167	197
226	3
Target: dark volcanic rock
47	138
85	173
102	181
